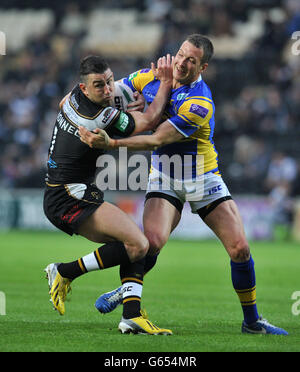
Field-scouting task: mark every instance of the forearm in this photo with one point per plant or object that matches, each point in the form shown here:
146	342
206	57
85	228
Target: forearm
151	117
135	143
165	134
156	108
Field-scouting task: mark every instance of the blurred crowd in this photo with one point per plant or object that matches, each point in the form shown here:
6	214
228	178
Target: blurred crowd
257	94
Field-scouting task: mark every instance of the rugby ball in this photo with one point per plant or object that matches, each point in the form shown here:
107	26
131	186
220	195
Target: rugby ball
123	96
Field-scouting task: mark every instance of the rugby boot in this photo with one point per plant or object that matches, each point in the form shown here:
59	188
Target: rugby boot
59	287
262	326
109	301
142	325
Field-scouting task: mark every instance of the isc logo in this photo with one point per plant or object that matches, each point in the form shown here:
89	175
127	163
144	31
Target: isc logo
214	189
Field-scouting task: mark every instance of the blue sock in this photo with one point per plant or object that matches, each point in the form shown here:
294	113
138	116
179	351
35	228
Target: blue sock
244	283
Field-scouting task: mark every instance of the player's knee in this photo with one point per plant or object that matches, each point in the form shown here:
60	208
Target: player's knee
141	249
240	251
156	242
137	250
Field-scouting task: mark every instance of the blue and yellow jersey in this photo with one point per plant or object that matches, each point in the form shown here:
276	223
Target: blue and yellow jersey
191	111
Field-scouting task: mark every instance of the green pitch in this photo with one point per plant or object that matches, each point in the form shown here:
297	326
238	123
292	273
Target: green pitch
189	291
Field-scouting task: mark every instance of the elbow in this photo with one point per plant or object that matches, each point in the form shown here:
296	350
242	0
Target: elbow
156	143
152	125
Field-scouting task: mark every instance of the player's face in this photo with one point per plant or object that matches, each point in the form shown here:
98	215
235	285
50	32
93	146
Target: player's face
100	88
187	63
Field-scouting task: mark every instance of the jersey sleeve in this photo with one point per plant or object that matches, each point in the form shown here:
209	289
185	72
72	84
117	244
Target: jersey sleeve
122	126
193	114
139	79
110	119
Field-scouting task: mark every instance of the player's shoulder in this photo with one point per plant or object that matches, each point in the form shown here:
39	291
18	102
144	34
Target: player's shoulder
142	73
139	79
81	105
197	103
89	117
201	90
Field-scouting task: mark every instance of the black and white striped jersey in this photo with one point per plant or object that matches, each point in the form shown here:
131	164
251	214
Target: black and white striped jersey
71	160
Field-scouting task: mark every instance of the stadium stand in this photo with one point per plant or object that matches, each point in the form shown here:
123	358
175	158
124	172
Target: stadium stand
120	34
254	76
20	26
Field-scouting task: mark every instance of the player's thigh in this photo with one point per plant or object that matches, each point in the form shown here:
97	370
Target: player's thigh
160	218
226	222
109	223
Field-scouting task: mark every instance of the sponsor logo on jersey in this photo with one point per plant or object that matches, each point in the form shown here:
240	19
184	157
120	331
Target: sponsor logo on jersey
119	104
181	96
66	126
122	122
198	110
133	75
107	114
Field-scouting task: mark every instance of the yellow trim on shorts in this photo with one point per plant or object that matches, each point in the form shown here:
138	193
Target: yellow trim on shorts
52	184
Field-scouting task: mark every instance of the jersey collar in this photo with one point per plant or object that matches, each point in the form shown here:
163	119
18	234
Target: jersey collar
196	81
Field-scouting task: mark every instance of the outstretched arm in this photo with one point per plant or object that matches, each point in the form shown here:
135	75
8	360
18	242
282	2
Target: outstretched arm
165	134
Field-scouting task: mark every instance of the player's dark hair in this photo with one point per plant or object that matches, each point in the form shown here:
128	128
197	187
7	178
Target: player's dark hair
200	41
92	65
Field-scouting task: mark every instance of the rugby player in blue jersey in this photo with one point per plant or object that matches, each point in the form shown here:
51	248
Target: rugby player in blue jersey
187	131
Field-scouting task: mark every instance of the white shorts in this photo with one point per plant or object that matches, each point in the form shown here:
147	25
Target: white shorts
200	192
